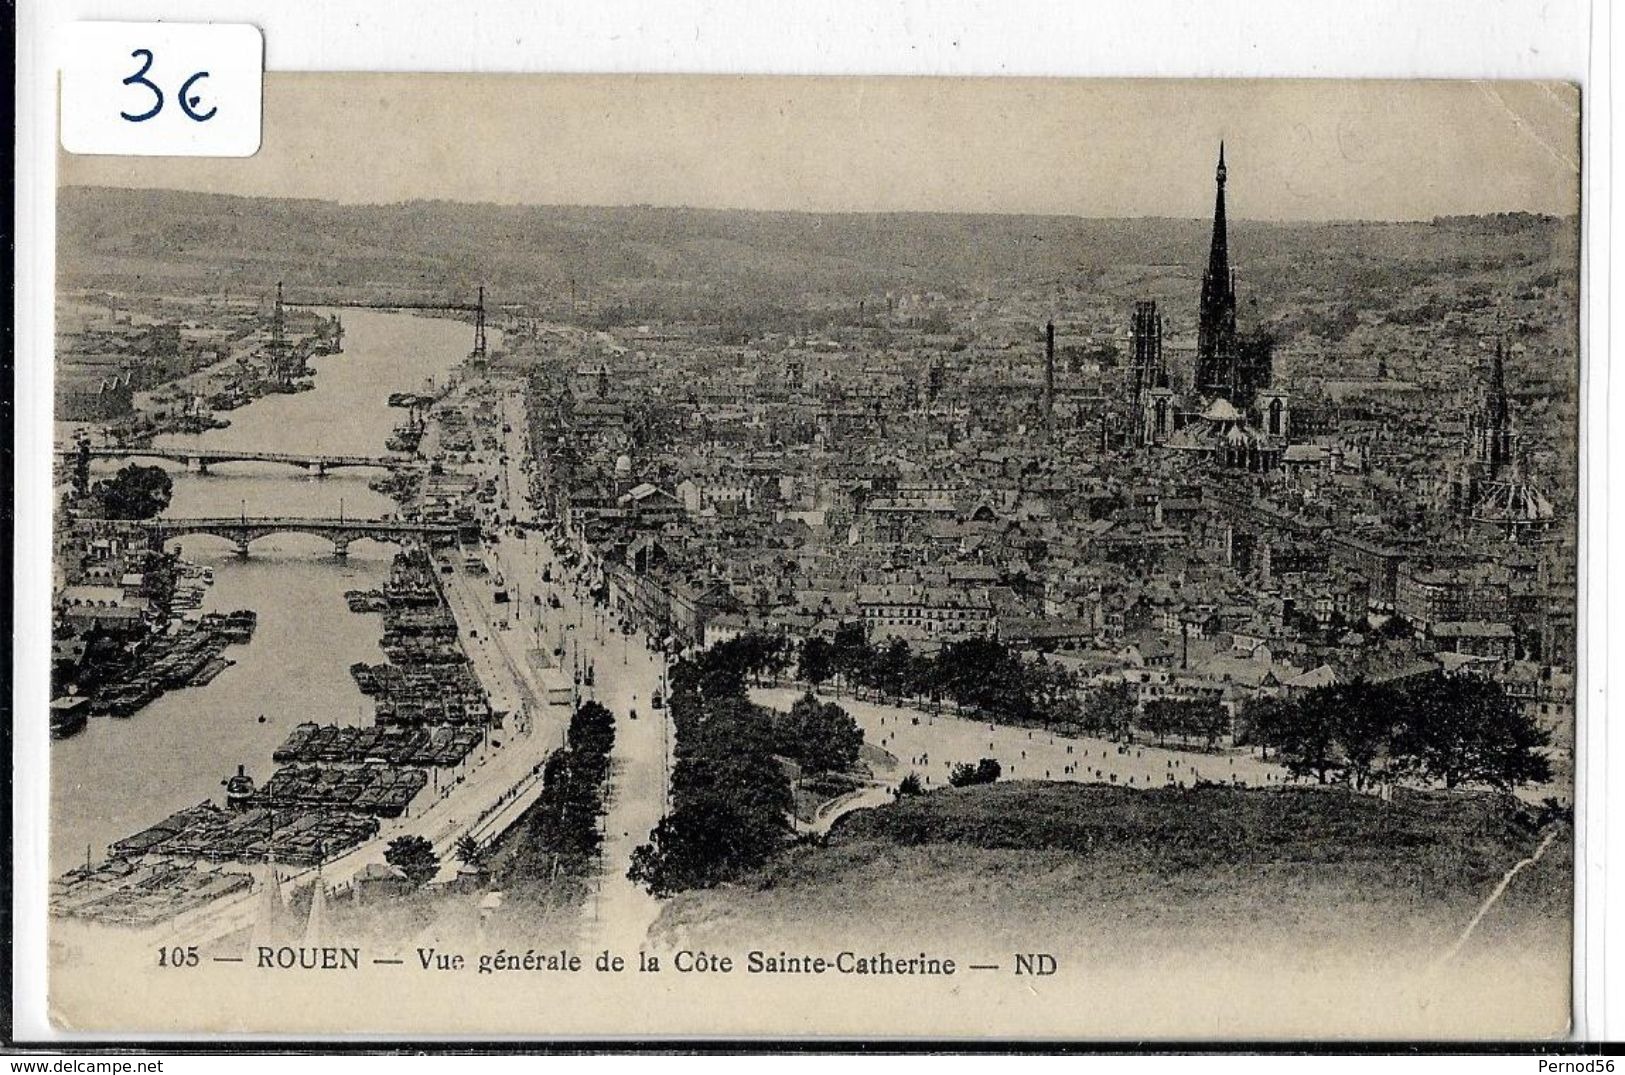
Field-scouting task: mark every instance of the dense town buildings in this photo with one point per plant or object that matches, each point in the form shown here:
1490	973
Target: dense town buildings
1218	516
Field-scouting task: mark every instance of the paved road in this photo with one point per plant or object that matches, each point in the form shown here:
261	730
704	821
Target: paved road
626	674
497	637
503	767
931	744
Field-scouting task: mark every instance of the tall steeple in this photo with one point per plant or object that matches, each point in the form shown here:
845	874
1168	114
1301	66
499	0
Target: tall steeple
1216	328
1218	258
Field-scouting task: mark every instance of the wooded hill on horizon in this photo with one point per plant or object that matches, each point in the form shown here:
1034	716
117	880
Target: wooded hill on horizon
692	262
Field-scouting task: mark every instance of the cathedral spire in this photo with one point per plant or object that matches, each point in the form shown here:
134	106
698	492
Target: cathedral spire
1218	258
1216	328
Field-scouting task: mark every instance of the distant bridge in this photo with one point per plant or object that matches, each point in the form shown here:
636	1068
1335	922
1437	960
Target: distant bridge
393	304
477	308
201	458
246	529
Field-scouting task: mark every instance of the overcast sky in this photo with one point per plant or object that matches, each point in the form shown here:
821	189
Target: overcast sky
1296	149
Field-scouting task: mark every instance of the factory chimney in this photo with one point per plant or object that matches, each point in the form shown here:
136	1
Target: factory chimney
1049	377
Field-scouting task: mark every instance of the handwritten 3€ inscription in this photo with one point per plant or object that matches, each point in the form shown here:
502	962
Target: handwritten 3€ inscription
170	89
188	100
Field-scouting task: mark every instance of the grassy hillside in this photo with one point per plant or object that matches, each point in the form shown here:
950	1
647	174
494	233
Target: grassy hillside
1213	869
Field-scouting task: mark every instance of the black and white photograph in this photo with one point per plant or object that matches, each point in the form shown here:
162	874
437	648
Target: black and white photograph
697	555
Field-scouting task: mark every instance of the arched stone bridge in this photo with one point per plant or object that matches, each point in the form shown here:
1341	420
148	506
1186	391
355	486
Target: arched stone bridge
246	529
201	458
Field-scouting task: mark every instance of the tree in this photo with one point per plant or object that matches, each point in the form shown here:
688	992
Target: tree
468	852
722	673
910	785
965	774
754	653
1367	718
564	821
822	736
414	856
890	668
1465	730
1109	709
850	651
1261	720
1204	719
817	663
1159	718
135	492
983	674
922	677
1052	692
590	737
730	813
1209	722
1306	735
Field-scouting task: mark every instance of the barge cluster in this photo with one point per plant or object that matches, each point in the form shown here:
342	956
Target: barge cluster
197	856
191	655
334	786
137	892
378	790
442	746
428	680
336	783
128	629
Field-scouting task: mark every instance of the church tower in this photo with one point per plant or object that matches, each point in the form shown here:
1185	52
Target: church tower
1494	449
1216	327
1146	370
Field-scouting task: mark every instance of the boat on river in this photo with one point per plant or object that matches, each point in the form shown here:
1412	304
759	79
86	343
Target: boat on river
206	674
69	715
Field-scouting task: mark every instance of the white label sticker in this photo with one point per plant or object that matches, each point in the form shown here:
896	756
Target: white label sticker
161	89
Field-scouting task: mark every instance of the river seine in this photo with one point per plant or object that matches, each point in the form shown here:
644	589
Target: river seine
119	776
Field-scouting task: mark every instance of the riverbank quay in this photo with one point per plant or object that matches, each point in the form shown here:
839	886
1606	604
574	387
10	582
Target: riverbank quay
125	624
343	784
176	369
249	713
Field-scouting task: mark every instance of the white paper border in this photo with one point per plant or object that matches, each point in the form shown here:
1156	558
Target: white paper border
1547	39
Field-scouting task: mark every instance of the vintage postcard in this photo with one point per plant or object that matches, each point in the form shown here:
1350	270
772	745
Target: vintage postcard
691	557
